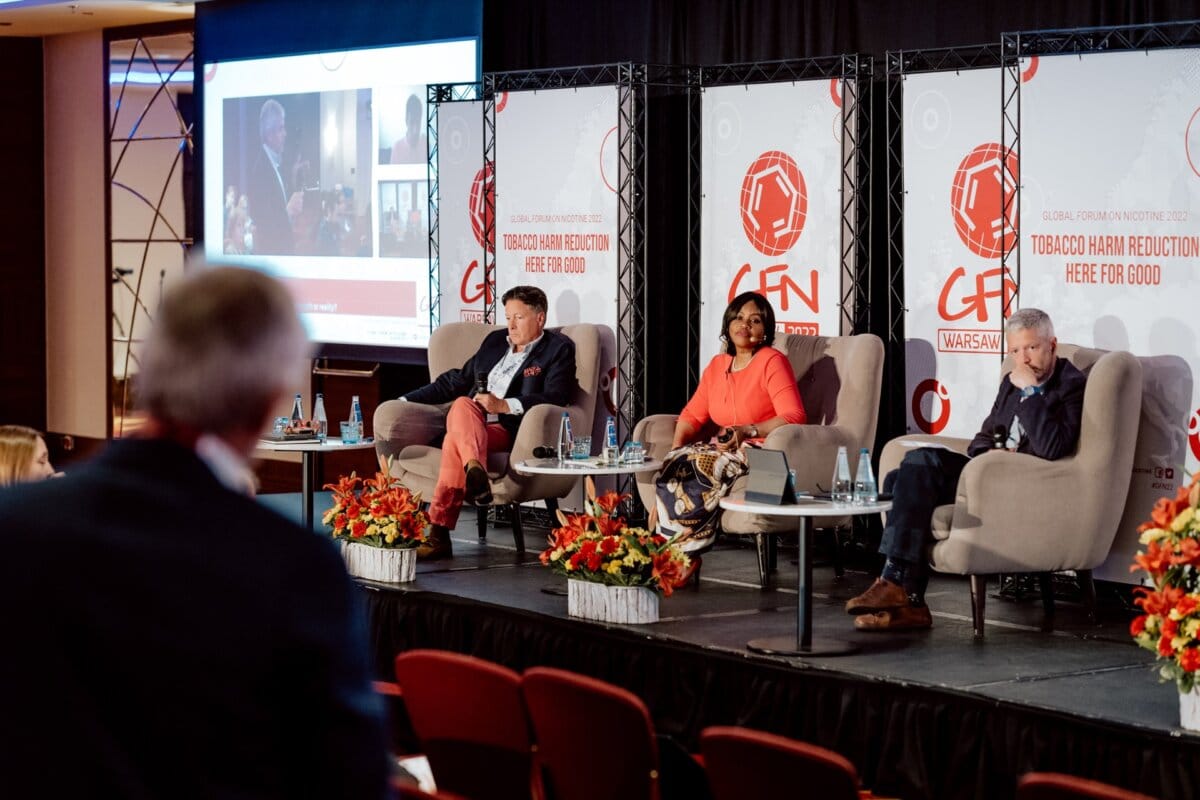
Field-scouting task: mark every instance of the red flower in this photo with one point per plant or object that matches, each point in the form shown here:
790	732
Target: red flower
1155	560
668	571
610	545
594	561
609	501
1189	553
1138	625
1157	602
1170	628
575	559
358	528
1189	659
1186	605
1164	647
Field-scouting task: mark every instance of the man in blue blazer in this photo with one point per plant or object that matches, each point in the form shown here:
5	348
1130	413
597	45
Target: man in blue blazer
514	370
165	634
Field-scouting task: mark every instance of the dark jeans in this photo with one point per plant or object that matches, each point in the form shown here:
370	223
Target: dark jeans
926	478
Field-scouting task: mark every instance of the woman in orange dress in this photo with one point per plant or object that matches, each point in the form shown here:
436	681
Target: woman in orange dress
745	393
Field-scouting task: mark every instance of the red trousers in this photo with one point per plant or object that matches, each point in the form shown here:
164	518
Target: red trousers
468	436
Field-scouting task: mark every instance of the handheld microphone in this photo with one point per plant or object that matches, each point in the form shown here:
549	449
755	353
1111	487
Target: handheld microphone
481	381
999	437
542	451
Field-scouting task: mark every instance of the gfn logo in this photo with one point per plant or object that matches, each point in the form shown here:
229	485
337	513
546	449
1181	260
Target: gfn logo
481	291
774	203
982	195
941	396
483	196
1194	433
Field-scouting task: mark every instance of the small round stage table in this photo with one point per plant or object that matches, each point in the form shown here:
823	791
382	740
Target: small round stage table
803	644
310	452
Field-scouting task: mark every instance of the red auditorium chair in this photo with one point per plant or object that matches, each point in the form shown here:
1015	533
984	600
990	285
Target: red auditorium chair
468	715
595	741
1056	786
744	764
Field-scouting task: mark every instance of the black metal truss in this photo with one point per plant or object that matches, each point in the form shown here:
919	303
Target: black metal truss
1153	36
855	72
899	64
695	191
438	93
1078	41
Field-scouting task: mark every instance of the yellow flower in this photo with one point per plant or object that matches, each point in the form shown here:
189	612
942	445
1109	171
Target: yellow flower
1152	535
614	567
1181	521
372	530
1191	628
390	537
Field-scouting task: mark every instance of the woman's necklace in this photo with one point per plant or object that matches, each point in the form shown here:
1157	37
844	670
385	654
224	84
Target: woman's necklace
735	366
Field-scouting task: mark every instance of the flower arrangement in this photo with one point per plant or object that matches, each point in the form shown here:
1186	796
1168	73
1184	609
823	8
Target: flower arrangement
1171	625
598	546
382	514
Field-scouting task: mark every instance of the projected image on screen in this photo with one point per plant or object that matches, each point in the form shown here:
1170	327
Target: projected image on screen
295	180
404	226
401	113
316	170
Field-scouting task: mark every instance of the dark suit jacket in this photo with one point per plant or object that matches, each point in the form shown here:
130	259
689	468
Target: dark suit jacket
166	637
268	208
547	376
1051	420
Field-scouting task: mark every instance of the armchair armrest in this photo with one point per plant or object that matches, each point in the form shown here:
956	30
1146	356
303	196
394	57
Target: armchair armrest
539	426
1017	512
894	451
811	451
398	424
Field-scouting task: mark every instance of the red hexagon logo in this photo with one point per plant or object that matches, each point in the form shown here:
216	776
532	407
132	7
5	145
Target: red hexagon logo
774	203
1194	433
940	394
981	188
483	194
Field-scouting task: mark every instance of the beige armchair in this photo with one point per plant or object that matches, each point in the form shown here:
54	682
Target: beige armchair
409	433
1016	513
839	379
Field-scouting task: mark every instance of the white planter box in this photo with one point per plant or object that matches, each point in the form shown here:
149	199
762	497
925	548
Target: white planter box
389	565
1189	710
629	605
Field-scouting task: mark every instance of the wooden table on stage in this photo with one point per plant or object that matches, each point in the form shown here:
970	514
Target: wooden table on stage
803	644
310	452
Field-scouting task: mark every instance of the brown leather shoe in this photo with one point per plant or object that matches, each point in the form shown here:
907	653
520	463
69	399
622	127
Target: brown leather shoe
904	618
881	596
438	545
478	489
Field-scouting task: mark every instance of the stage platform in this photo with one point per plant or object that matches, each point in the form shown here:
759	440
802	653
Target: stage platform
920	714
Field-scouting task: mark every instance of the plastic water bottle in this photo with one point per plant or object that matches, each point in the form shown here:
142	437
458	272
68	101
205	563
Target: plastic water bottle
320	421
865	490
843	488
565	439
356	415
297	410
612	453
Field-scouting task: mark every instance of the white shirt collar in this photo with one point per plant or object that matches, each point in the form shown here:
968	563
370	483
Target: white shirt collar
228	465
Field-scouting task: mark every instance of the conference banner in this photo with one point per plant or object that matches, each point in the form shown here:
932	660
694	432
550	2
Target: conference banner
1110	239
464	185
954	287
771	216
556	208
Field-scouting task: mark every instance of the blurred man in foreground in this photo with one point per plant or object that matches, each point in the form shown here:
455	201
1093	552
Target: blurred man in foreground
165	635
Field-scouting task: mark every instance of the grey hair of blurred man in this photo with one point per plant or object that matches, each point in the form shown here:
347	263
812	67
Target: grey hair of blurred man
225	348
1030	319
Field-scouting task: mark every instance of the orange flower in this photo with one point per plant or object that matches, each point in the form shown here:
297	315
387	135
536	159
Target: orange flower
1188	553
1159	603
1155	560
1138	625
1189	659
358	528
609	501
667	570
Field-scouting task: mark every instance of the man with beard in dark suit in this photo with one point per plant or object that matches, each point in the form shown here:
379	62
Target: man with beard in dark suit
165	634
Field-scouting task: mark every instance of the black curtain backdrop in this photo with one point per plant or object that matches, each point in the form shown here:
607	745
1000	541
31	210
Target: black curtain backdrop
540	34
22	236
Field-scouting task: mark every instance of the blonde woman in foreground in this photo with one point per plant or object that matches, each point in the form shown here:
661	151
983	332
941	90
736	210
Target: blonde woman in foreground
23	455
